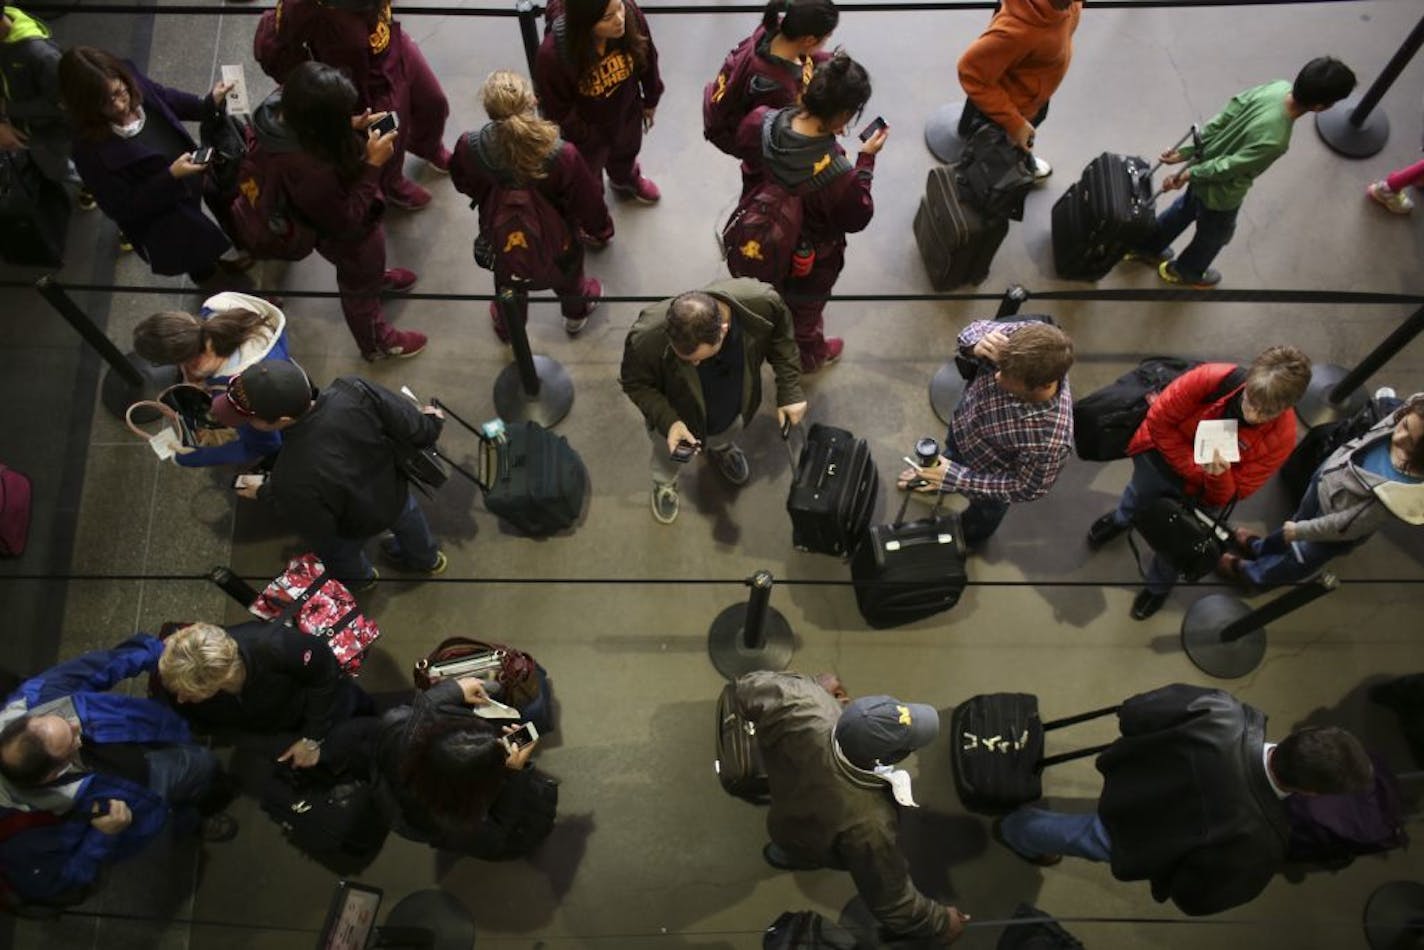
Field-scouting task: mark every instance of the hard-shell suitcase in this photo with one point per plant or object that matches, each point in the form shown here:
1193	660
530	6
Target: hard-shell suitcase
833	490
34	214
997	750
905	571
1108	211
738	764
957	242
530	477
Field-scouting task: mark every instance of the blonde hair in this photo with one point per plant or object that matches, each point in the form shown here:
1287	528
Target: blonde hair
199	658
522	139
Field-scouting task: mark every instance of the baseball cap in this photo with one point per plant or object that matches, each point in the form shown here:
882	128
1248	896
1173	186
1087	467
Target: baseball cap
270	390
882	729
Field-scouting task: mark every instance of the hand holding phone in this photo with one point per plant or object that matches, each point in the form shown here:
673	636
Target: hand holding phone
203	156
386	123
875	125
685	450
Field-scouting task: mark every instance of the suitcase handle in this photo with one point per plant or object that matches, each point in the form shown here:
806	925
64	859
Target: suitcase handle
1081	717
1193	133
1062	757
485	443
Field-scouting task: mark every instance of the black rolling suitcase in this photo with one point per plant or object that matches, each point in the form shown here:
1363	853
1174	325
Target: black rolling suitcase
34	214
1104	214
530	477
1032	929
738	764
833	489
906	571
957	242
997	752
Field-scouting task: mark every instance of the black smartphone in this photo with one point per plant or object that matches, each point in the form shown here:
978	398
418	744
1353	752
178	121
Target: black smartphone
685	451
203	156
387	123
876	125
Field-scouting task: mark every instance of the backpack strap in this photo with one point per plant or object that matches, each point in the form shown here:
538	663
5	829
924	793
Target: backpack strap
1230	383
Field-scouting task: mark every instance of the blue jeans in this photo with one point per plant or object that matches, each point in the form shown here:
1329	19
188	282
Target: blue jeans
1034	832
1214	231
1278	561
1149	482
983	516
345	558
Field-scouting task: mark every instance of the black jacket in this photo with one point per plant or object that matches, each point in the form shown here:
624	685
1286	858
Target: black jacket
1186	801
336	475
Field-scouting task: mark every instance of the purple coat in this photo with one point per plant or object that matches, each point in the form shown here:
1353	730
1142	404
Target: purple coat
161	215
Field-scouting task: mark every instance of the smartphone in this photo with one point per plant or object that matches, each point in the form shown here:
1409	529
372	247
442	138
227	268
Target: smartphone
249	480
685	450
521	737
875	126
203	156
387	123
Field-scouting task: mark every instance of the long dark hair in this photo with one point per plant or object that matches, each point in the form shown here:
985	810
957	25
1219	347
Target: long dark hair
454	766
84	76
318	102
798	19
839	86
170	337
580	17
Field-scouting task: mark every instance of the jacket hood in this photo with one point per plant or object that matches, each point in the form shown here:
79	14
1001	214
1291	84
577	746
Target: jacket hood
1034	13
1404	500
799	161
257	348
271	131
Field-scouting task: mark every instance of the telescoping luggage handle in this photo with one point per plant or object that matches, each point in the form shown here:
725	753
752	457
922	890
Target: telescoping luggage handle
825	469
1062	757
1194	133
494	467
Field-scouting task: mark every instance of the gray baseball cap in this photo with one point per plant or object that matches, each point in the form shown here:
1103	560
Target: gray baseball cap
882	729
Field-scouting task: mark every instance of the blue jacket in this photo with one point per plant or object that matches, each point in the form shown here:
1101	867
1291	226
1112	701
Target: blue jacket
44	862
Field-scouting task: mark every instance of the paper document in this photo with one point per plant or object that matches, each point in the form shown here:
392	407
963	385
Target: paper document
1216	435
237	95
495	709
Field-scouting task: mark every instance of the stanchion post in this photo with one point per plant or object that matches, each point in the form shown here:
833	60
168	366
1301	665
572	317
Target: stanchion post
947	385
1225	638
130	378
752	635
942	132
514	307
533	388
1353	128
528	29
1334	392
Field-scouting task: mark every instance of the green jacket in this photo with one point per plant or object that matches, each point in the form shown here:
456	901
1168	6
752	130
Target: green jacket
1239	143
666	389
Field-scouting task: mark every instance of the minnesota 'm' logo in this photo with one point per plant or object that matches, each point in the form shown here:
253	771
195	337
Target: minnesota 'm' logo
249	189
380	37
515	239
904	715
721	87
821	164
751	251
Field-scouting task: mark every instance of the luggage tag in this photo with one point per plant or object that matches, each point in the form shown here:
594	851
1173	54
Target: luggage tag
165	444
237	103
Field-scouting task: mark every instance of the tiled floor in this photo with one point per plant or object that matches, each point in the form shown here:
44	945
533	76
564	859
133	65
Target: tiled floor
648	852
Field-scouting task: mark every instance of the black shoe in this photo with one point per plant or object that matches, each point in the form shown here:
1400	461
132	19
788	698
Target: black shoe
1104	530
782	861
1146	603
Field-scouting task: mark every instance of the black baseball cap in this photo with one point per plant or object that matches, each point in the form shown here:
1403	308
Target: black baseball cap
270	390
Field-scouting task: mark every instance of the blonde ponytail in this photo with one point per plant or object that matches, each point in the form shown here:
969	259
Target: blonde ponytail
522	139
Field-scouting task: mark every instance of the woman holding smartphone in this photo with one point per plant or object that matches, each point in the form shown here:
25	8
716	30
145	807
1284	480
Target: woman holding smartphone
136	157
795	147
596	74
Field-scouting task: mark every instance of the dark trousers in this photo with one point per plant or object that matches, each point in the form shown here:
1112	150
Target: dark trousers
1278	561
971	118
984	515
1214	231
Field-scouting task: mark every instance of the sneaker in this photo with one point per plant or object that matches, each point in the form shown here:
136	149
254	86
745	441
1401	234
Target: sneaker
441	162
1146	257
1146	603
391	551
664	503
218	828
835	346
1396	201
1104	530
398	280
1385	392
1041	169
1208	279
360	587
404	345
408	196
591	289
732	464
782	861
497	318
85	200
639	189
240	263
125	245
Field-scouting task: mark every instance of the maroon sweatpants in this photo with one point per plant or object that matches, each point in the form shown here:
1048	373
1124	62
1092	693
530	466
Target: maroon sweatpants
422	107
360	268
808	316
615	149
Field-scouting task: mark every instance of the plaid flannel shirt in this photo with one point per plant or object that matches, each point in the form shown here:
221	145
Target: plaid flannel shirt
1007	449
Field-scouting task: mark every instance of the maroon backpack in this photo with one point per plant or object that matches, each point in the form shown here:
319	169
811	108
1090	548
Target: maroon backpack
264	222
527	237
761	235
724	99
14	511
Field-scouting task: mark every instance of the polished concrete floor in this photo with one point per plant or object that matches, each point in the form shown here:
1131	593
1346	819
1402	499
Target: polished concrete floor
648	851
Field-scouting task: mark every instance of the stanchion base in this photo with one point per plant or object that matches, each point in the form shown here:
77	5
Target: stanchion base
945	389
117	393
730	654
1349	140
438	913
1201	638
1315	407
556	394
942	132
1394	916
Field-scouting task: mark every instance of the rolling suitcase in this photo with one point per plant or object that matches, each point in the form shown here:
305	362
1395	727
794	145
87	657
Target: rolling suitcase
34	214
957	242
833	489
738	764
905	572
1100	217
1032	929
530	477
997	750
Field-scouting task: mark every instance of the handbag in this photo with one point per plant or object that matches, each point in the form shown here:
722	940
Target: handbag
514	670
319	606
1185	536
185	411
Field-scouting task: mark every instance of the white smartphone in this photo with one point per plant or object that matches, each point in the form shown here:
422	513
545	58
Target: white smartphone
521	737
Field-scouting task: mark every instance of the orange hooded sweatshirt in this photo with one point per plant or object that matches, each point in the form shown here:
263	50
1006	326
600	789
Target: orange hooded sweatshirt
1016	65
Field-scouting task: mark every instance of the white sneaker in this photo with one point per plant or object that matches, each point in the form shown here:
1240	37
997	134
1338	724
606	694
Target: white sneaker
1385	392
1041	169
1396	201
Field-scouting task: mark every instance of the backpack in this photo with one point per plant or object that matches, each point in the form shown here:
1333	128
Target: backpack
761	235
276	54
724	99
1320	442
519	819
264	222
1105	420
14	511
334	820
806	930
993	172
528	239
